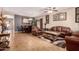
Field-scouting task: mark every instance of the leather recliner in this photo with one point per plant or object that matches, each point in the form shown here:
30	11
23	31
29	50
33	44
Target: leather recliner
36	31
72	42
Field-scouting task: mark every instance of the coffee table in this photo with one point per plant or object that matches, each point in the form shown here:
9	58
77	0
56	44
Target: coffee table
52	33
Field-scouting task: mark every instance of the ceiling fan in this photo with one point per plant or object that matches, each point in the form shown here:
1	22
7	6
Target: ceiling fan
50	9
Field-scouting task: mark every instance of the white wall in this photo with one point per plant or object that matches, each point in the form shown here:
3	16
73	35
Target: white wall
38	23
70	22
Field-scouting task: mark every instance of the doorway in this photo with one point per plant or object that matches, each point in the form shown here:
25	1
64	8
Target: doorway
41	23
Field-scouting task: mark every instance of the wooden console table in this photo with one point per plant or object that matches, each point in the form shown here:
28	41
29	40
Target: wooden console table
4	34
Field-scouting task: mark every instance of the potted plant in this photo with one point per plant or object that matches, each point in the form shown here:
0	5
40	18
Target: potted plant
2	22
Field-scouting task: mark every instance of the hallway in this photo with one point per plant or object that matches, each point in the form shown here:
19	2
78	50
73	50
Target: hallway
28	42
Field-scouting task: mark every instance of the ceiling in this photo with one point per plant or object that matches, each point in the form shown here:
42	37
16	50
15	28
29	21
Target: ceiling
27	11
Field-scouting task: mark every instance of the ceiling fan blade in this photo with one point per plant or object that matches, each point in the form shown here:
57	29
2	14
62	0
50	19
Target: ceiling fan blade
55	10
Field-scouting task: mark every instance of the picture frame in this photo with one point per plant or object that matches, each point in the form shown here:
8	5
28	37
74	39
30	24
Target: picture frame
62	16
77	14
47	19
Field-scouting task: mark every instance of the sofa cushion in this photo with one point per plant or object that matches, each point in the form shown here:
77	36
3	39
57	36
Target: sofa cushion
66	29
53	29
59	28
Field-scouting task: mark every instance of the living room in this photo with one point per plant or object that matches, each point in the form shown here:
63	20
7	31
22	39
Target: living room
40	28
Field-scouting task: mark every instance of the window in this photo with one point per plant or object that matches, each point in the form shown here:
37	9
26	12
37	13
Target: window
77	15
25	20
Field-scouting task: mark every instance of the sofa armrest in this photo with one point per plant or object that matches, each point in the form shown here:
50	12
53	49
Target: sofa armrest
72	43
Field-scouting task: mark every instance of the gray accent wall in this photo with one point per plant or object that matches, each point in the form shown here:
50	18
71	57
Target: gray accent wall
18	22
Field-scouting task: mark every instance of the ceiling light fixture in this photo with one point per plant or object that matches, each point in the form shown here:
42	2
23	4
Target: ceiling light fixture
50	10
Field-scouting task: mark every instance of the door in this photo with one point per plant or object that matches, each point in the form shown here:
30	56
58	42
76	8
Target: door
41	23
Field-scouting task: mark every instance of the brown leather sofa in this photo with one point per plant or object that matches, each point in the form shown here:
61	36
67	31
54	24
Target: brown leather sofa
72	42
65	31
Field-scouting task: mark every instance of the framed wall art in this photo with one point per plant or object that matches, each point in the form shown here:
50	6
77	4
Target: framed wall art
47	19
77	14
60	16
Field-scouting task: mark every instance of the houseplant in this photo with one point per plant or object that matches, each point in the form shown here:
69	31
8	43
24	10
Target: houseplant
2	22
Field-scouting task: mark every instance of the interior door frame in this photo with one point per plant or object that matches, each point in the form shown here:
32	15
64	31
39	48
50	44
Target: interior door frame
41	23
